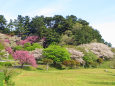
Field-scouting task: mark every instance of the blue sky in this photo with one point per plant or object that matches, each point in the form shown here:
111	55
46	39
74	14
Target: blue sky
99	13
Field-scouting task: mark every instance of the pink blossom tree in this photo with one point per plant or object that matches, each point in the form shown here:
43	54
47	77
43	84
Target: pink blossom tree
24	57
30	39
9	50
7	41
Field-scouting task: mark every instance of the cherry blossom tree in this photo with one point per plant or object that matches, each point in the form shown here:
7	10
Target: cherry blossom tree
24	58
9	50
29	39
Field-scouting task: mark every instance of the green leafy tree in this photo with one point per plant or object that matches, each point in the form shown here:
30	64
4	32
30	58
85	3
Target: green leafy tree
56	53
86	35
38	26
51	36
3	25
22	25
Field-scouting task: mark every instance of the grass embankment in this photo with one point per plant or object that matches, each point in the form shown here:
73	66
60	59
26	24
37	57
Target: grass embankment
78	77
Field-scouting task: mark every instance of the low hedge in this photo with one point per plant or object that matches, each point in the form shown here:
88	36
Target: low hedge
8	64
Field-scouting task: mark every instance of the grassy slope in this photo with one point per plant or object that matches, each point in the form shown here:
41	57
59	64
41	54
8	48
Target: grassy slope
79	77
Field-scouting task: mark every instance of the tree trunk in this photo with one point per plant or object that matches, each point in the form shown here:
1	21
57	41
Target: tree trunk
22	65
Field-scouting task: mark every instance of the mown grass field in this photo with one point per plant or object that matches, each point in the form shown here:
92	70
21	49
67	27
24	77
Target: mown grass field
78	77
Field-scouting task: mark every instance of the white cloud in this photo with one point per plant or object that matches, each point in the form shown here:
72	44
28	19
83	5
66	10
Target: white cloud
47	11
57	7
107	31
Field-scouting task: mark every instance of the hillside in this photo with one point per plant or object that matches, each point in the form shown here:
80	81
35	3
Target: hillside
53	43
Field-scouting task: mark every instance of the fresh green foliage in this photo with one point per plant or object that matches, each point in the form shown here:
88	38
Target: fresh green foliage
32	47
56	53
99	60
36	45
8	75
86	35
1	46
1	78
28	46
51	37
89	58
18	47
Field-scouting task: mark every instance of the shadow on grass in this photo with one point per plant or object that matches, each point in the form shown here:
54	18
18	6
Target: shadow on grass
103	83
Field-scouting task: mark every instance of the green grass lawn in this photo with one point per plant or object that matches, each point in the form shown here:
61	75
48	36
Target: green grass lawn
78	77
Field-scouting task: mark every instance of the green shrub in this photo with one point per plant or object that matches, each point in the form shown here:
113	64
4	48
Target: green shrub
89	58
1	78
10	56
77	63
56	53
94	64
8	64
27	45
19	47
1	46
113	63
36	45
8	74
99	60
30	47
71	63
66	63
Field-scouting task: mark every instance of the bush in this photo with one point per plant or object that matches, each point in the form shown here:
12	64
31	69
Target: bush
66	63
99	60
1	78
1	46
113	63
77	63
36	45
8	74
27	45
71	63
7	64
89	58
19	47
56	53
29	48
94	64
